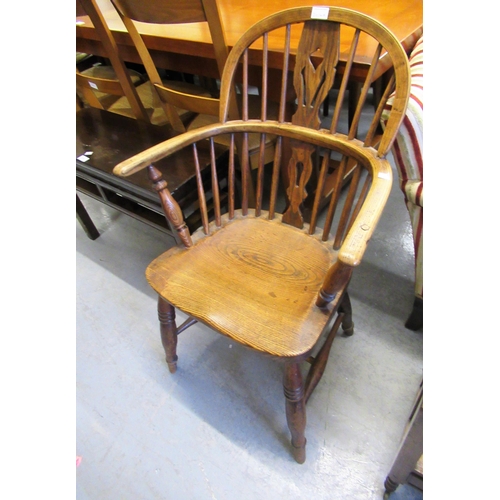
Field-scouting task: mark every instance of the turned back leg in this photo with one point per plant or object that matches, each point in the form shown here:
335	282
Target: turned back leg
168	329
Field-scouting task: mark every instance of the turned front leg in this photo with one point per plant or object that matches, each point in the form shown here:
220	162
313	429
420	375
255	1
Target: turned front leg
295	409
168	329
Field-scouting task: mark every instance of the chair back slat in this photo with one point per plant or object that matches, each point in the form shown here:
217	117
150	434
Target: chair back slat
201	191
263	115
332	207
275	179
245	174
284	74
359	203
375	124
244	111
319	190
231	178
260	176
315	67
345	79
346	209
353	130
215	184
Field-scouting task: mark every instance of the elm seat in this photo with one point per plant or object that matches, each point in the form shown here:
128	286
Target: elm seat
263	276
408	156
277	280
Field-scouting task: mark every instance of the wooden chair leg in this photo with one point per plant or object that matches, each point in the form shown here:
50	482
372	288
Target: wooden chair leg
416	319
347	323
295	409
168	329
85	220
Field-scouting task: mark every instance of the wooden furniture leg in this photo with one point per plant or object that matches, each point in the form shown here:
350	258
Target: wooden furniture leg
168	329
416	319
85	220
346	308
410	451
295	409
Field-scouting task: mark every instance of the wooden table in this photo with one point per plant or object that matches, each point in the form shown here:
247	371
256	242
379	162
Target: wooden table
188	49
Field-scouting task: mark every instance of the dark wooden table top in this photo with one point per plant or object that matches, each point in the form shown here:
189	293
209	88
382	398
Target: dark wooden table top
112	138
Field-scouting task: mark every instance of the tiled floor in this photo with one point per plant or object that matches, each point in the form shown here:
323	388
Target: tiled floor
217	428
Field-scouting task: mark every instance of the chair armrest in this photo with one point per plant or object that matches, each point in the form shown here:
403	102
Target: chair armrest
162	150
354	245
352	250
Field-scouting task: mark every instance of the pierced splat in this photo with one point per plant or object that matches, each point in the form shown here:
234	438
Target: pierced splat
315	68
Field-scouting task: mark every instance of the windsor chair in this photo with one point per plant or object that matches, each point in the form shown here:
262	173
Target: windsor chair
263	276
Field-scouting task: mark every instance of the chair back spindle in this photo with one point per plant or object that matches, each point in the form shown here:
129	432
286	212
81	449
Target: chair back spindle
310	54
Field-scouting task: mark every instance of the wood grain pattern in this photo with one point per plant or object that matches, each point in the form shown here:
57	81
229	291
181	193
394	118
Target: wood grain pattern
263	292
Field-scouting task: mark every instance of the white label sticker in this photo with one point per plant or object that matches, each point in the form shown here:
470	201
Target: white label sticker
319	12
93	85
83	158
89	153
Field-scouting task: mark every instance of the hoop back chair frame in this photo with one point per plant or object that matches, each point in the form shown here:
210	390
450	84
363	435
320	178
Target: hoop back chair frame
264	276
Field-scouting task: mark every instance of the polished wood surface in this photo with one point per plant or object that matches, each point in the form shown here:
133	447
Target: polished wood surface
264	276
187	48
103	139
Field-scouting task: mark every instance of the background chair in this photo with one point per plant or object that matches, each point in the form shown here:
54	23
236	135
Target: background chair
264	277
102	86
408	156
204	106
119	89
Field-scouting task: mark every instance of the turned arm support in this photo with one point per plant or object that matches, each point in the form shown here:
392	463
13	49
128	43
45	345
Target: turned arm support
171	208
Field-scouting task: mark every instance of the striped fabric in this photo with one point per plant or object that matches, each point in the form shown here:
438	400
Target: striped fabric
408	155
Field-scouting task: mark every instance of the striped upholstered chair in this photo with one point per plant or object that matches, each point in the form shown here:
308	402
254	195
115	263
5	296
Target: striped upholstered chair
408	156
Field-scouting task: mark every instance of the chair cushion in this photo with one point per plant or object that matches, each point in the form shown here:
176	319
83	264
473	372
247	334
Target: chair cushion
250	257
